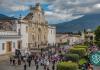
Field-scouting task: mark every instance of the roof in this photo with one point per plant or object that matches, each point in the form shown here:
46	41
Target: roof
29	16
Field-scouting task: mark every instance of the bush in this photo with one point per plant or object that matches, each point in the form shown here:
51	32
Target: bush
98	43
82	61
80	51
81	46
67	66
71	57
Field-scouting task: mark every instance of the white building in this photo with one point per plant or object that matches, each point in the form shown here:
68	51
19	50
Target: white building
9	37
22	29
18	33
75	39
51	35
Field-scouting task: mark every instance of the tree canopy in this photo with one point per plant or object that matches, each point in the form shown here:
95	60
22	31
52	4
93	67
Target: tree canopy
97	36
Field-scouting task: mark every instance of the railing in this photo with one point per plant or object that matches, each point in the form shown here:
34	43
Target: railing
9	34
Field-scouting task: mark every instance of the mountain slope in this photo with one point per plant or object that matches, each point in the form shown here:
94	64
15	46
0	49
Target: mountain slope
4	17
90	21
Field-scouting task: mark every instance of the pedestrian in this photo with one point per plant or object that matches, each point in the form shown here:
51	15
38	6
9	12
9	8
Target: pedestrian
35	60
11	60
29	61
25	66
37	66
44	66
19	61
47	67
53	67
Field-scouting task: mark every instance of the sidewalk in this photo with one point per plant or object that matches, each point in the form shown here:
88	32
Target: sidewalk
4	57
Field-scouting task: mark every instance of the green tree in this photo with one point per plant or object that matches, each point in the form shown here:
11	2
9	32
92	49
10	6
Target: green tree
97	36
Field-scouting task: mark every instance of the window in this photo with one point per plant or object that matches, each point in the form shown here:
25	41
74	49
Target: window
3	46
19	32
51	31
13	44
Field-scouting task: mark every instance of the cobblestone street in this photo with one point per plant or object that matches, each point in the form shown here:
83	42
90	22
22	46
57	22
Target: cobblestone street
6	66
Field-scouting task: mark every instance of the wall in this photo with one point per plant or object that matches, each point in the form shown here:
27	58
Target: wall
24	34
6	40
51	35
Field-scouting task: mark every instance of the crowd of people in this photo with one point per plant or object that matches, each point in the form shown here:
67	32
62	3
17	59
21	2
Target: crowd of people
44	59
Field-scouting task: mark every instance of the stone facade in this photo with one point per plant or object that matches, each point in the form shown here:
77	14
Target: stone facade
32	31
37	27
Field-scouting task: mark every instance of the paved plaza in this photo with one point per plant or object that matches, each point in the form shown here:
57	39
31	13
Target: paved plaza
4	65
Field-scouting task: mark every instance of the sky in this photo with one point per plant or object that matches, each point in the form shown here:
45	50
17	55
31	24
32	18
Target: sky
56	11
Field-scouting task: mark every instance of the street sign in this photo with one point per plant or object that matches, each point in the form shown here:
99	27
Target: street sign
95	58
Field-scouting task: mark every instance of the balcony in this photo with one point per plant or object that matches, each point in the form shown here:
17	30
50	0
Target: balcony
9	34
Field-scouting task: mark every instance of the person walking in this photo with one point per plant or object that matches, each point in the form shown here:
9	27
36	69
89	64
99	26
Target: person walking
19	61
25	66
11	60
47	64
37	66
53	67
29	60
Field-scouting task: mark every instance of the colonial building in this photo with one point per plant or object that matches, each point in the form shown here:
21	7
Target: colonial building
62	38
32	31
75	39
9	37
37	27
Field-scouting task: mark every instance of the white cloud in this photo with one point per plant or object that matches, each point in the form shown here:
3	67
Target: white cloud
59	9
19	7
61	16
57	15
97	6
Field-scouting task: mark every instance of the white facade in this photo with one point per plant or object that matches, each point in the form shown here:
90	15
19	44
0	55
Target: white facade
22	30
8	41
51	35
17	38
75	40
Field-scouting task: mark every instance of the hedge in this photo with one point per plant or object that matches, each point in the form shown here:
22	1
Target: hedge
67	66
98	43
81	46
80	51
71	57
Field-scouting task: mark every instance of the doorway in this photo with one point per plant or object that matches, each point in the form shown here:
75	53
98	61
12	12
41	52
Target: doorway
8	46
19	44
